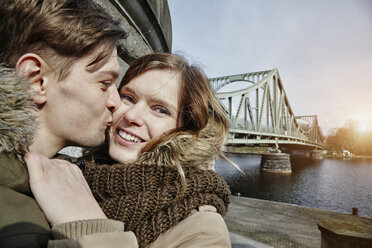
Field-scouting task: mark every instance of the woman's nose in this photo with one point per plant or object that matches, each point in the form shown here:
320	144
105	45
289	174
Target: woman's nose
135	114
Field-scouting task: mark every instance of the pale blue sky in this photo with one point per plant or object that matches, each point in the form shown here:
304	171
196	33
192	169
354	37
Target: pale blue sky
322	49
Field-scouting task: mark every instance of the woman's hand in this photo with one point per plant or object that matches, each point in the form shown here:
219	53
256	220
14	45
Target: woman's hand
60	189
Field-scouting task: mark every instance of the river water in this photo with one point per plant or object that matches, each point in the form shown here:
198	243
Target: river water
330	184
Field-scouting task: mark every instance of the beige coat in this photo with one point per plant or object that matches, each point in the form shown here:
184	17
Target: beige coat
204	228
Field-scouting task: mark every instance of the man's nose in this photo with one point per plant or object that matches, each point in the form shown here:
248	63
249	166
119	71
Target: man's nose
113	100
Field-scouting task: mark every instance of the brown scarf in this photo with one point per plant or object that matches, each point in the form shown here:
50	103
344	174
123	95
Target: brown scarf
150	199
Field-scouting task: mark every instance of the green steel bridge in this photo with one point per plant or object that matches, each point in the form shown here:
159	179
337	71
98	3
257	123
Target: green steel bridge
260	114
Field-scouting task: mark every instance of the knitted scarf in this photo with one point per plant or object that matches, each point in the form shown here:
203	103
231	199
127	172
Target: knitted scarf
150	199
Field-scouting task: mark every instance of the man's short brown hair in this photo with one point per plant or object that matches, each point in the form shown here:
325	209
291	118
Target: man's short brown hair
59	31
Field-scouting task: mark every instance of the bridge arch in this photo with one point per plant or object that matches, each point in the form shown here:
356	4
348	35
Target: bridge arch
260	114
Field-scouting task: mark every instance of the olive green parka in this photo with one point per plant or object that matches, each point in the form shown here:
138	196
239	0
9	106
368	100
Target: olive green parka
22	223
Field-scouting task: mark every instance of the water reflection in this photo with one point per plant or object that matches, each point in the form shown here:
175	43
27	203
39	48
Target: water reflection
328	184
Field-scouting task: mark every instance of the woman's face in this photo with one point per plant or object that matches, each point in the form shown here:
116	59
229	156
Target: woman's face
149	108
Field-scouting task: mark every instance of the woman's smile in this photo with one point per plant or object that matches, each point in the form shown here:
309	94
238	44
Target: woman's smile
124	135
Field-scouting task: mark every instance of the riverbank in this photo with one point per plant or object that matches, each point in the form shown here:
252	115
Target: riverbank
281	224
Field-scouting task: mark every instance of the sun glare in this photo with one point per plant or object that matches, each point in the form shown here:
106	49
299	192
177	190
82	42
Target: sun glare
363	126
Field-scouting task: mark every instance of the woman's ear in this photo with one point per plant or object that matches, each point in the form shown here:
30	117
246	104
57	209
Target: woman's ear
32	67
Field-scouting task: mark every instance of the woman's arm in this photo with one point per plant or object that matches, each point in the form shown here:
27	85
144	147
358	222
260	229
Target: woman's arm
204	229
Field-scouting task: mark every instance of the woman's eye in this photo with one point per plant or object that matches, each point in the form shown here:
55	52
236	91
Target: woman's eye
126	97
161	110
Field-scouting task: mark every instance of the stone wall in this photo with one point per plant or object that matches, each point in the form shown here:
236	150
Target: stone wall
148	24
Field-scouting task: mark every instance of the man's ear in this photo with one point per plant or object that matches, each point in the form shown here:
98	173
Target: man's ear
34	68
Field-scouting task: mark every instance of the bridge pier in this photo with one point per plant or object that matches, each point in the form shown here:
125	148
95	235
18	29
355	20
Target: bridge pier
300	153
316	154
276	163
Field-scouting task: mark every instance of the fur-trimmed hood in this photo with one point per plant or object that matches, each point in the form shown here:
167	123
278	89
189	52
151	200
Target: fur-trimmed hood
187	149
17	122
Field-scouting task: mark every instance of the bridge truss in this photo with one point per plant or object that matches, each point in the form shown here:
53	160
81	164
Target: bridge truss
260	114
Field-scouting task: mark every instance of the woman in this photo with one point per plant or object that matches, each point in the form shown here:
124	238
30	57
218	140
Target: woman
166	136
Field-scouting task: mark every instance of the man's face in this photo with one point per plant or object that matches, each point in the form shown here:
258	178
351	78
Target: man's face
79	108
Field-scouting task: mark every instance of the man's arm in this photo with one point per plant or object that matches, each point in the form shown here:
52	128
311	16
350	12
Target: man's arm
61	191
98	233
68	203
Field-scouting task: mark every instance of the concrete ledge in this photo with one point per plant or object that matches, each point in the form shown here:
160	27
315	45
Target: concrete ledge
239	241
337	233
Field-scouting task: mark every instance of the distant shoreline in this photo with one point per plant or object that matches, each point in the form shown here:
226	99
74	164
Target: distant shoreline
354	156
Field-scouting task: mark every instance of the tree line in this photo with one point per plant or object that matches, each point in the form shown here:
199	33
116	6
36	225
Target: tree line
349	138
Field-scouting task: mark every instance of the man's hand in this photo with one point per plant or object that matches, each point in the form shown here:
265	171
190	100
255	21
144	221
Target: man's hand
60	189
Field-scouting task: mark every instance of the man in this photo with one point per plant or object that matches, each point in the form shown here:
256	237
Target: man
67	51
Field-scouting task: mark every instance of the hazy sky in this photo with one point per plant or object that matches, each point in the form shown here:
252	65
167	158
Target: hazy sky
322	49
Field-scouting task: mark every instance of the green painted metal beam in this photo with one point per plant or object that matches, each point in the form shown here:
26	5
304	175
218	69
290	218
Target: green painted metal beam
267	94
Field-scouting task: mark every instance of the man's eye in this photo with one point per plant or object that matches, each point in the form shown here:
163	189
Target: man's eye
161	110
127	98
105	84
